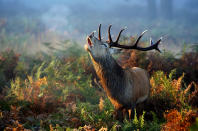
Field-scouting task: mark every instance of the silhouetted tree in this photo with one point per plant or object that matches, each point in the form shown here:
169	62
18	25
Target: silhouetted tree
152	9
167	8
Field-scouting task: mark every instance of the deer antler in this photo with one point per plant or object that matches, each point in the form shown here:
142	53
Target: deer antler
99	32
135	46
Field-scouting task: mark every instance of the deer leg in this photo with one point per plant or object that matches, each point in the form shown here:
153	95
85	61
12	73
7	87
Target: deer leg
129	112
125	113
118	114
140	108
132	112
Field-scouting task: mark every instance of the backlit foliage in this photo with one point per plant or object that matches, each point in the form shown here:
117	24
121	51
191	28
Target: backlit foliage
62	92
37	92
179	121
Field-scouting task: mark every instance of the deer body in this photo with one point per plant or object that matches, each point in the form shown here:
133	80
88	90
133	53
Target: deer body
124	87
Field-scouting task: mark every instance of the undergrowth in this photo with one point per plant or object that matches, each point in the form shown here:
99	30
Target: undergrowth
61	92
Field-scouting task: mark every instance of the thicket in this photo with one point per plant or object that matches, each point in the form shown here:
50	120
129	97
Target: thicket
62	92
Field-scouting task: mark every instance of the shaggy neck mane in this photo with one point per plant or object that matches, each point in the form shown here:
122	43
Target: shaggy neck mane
111	75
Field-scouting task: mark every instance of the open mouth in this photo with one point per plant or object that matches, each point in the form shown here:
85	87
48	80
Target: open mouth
89	42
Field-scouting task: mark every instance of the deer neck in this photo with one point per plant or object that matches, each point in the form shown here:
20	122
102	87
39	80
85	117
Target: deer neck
110	73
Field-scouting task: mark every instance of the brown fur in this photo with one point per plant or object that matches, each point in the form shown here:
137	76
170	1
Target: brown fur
124	87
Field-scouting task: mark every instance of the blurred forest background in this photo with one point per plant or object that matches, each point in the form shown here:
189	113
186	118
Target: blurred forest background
51	21
47	81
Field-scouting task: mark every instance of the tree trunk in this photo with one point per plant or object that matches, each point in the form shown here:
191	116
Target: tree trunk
167	9
152	9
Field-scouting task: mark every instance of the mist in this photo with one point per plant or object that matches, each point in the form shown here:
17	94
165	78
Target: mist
175	20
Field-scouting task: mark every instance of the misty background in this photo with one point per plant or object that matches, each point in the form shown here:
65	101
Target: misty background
33	22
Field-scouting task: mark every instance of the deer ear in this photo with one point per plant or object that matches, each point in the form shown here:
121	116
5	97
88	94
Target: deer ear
114	50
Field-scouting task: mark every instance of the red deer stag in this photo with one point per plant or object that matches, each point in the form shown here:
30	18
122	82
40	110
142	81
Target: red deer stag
124	87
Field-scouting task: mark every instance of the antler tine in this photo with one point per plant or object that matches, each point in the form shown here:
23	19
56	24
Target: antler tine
110	41
99	33
109	35
155	46
137	41
119	35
